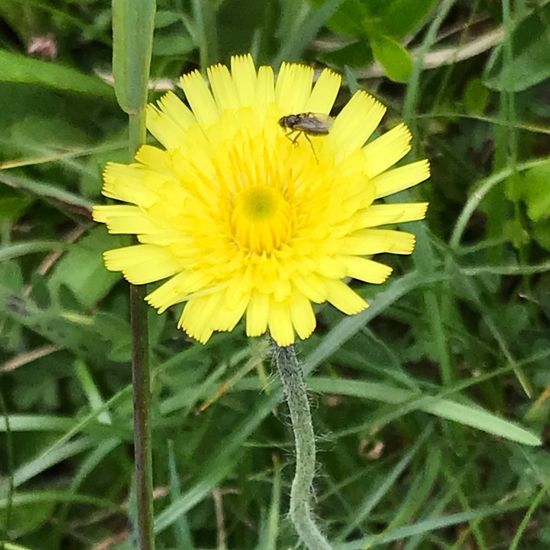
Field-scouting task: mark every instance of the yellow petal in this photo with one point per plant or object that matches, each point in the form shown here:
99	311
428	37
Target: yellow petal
401	178
367	271
265	93
280	324
311	286
178	289
237	288
324	93
167	294
345	299
302	315
223	87
164	129
257	314
226	318
330	267
375	241
293	87
383	214
386	150
356	123
243	72
174	108
155	159
197	315
125	183
125	219
199	97
142	263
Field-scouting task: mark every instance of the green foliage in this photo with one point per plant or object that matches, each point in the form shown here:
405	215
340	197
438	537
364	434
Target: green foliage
378	28
131	62
82	271
531	55
24	70
393	57
430	405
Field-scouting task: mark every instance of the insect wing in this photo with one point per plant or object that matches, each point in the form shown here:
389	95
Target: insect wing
314	123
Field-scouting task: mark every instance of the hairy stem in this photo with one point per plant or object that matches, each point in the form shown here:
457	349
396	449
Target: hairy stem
300	496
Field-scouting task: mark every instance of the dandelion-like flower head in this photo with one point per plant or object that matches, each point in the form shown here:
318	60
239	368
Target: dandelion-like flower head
243	221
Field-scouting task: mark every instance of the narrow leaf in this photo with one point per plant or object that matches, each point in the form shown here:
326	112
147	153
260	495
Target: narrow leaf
25	70
132	51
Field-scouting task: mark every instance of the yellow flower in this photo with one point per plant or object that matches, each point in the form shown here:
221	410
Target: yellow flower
244	221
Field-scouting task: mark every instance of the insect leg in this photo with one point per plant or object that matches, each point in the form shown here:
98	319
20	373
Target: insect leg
312	148
293	131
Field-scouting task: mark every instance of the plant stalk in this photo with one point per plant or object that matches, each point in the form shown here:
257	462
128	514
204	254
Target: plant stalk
292	377
141	382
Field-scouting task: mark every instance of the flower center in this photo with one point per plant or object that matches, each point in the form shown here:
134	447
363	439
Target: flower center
261	219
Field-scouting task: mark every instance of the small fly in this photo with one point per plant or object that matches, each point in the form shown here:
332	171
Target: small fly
308	124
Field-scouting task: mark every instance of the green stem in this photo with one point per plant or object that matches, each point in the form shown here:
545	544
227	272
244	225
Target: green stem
300	495
9	475
141	382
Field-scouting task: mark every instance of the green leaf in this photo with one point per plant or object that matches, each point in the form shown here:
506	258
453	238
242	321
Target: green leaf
36	423
13	206
536	191
395	59
476	97
15	250
515	233
25	518
541	232
469	415
357	54
173	44
293	47
395	18
132	51
166	18
46	191
403	17
26	70
349	19
82	271
531	55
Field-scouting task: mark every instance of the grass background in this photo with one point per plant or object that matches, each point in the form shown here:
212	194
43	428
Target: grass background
429	406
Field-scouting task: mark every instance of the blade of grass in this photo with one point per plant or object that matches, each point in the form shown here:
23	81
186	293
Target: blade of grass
46	191
418	492
37	423
92	393
10	546
468	415
34	497
26	70
182	533
441	522
206	33
364	509
8	461
270	532
16	250
41	463
294	44
133	25
536	502
89	463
